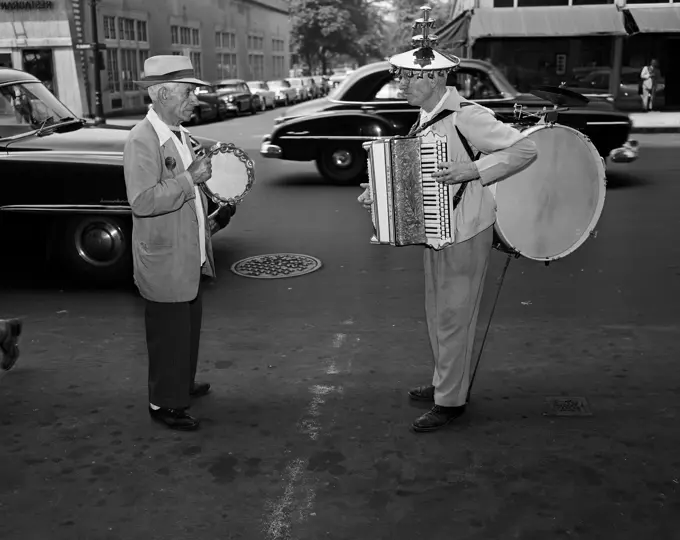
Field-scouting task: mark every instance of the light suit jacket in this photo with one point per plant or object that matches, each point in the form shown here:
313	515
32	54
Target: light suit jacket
504	152
165	244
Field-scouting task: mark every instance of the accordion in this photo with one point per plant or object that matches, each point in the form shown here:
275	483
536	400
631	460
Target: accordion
409	206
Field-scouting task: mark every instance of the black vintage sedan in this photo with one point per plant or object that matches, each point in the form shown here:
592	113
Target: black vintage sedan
367	104
62	189
238	96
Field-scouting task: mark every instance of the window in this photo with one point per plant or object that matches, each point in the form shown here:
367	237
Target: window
112	70
277	45
141	31
279	66
128	68
225	40
255	43
389	92
109	27
227	66
256	65
195	37
174	35
196	62
185	35
530	3
143	55
474	85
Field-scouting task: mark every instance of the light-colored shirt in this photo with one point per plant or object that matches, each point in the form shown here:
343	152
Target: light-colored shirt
164	134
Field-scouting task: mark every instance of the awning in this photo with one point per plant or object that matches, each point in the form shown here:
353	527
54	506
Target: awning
547	21
662	19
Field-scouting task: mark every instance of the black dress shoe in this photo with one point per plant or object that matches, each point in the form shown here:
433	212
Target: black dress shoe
422	393
199	389
436	418
175	419
9	338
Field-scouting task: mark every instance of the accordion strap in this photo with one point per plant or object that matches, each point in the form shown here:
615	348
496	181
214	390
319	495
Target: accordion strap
415	130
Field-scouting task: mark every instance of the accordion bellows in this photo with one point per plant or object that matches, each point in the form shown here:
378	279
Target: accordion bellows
409	206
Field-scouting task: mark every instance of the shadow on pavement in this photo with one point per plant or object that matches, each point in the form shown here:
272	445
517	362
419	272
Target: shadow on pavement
622	180
297	179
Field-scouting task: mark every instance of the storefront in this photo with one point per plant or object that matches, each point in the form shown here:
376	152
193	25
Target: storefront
35	36
249	39
601	47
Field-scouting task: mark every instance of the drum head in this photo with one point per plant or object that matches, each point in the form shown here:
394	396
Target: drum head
232	175
548	210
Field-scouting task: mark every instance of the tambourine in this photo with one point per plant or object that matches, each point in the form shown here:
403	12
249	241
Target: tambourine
233	174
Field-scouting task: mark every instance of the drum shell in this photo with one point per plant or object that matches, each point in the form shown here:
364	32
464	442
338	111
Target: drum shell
550	208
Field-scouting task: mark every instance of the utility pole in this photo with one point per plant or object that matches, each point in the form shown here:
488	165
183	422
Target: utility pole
96	50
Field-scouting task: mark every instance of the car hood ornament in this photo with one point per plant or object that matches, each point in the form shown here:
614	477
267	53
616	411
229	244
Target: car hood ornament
424	58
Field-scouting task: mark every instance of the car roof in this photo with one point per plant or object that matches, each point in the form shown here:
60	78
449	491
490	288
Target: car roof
9	75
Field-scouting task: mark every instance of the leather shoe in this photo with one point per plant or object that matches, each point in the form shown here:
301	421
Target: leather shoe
199	389
436	418
175	419
422	393
10	330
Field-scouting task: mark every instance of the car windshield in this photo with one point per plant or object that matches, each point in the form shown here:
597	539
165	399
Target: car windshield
229	86
25	107
278	84
257	86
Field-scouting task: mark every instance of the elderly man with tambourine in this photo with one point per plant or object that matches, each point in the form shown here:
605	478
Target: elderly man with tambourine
171	237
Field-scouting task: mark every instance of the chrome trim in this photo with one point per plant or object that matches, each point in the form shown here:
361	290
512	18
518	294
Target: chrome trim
618	123
333	137
270	150
67	208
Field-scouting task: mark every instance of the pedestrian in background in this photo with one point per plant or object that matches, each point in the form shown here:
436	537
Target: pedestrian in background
171	240
648	81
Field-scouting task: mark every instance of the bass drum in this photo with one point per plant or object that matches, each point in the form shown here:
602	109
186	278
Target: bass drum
549	209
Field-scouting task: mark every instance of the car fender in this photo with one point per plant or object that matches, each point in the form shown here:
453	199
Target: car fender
301	139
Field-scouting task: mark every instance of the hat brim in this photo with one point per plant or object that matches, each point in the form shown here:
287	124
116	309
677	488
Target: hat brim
188	80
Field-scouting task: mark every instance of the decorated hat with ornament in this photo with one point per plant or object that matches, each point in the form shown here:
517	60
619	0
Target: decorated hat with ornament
424	58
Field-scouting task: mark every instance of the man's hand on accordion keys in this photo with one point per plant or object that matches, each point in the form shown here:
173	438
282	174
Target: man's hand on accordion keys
366	198
455	172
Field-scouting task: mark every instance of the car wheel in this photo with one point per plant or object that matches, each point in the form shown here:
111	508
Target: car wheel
97	248
342	163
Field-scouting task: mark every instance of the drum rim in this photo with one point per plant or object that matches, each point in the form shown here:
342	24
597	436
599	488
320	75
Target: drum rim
602	182
231	148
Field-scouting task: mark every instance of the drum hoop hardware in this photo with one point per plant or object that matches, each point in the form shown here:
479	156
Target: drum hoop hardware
250	172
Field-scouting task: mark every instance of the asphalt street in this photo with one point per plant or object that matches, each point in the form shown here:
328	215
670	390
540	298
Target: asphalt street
306	434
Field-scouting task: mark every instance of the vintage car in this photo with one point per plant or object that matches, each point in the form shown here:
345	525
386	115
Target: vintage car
212	105
239	97
284	93
367	105
267	96
62	190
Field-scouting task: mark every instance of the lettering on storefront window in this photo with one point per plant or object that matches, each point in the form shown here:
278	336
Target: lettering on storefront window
26	5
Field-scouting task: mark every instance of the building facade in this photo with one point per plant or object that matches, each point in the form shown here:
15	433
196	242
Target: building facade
245	39
561	41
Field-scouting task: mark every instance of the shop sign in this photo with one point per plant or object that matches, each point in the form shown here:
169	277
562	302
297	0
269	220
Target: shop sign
26	5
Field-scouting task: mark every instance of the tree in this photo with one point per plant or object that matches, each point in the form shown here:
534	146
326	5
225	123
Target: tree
321	29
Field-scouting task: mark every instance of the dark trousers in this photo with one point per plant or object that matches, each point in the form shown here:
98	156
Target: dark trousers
173	333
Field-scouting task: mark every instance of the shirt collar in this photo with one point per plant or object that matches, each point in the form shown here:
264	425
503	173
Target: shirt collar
427	115
161	128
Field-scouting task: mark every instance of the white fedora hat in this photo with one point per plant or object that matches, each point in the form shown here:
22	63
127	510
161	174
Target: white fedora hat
168	68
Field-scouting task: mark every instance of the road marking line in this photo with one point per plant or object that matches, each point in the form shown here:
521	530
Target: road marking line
278	519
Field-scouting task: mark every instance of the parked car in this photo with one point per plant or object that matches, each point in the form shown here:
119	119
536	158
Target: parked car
211	107
596	83
367	105
284	93
62	187
323	84
301	88
239	97
267	96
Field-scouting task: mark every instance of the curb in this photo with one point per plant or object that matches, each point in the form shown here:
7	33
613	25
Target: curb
665	129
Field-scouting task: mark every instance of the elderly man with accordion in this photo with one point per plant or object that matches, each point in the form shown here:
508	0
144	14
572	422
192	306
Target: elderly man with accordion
461	149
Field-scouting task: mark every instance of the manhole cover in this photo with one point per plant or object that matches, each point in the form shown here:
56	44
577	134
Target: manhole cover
277	265
567	406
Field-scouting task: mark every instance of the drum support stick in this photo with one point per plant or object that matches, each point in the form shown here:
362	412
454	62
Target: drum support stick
488	324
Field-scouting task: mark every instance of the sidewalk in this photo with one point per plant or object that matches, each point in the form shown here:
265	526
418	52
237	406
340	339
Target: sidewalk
651	122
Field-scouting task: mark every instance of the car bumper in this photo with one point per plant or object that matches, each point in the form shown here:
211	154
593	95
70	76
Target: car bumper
270	150
626	153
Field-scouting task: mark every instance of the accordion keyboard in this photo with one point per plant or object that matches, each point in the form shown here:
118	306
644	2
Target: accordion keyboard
434	150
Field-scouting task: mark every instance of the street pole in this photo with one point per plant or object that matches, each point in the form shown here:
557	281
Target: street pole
98	106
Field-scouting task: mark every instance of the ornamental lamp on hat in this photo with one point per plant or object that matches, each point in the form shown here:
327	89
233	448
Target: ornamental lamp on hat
424	58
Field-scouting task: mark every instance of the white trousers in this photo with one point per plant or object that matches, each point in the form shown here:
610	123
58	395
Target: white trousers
454	282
